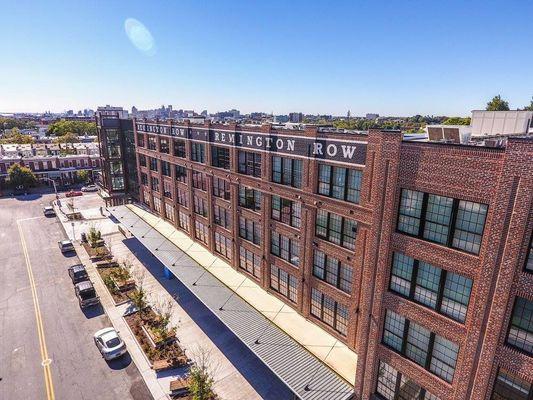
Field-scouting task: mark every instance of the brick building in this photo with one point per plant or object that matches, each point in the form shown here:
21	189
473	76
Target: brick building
58	162
415	255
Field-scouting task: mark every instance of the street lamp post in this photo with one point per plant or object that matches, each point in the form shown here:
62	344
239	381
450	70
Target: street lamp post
54	183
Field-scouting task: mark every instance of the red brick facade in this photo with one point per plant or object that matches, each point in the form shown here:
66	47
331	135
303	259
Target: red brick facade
500	178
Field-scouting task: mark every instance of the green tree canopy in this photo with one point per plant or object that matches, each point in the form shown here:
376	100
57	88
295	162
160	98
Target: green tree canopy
62	127
14	136
10	123
21	176
530	107
497	104
457	121
68	137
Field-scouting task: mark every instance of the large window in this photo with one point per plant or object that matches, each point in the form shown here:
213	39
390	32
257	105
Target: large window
179	148
152	145
198	180
250	262
329	311
451	222
165	168
182	197
250	230
222	217
392	385
433	352
200	206
287	171
220	157
164	146
140	140
520	333
183	221
286	211
284	283
250	163
340	183
198	152
181	174
169	212
285	248
249	198
153	164
223	245
157	205
510	387
221	188
336	229
441	290
200	232
154	184
331	270
142	160
167	189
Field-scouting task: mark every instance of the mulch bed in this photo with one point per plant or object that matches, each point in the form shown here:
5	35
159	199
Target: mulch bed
94	252
171	351
118	296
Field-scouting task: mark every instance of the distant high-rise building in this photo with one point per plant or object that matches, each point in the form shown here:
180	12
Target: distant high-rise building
296	117
372	116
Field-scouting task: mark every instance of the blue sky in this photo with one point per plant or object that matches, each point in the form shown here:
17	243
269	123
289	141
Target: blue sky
389	57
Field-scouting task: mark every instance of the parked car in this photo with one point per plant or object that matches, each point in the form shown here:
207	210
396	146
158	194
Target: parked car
48	211
74	193
109	343
65	246
78	273
89	188
86	294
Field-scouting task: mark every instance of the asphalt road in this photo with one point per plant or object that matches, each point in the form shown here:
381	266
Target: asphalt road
61	334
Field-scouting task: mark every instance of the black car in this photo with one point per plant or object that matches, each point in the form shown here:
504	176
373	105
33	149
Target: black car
78	273
86	294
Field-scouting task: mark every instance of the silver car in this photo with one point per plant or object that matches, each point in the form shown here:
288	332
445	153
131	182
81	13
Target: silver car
65	246
109	343
90	188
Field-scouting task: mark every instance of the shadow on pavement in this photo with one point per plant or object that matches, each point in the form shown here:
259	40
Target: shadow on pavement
94	311
258	375
120	363
28	197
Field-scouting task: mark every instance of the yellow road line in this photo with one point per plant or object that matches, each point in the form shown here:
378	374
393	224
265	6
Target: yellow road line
45	360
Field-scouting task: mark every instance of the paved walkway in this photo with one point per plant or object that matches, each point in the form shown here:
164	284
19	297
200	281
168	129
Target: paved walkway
238	374
316	340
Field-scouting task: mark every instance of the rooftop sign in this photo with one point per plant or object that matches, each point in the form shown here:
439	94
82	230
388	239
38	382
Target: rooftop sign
336	150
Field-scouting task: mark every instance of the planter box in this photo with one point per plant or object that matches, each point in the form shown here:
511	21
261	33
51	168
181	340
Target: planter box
123	286
155	342
106	264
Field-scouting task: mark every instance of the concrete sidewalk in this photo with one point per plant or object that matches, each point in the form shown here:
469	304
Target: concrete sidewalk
238	374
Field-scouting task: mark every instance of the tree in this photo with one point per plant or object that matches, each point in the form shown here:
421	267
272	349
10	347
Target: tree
497	104
82	176
16	137
201	375
68	137
62	127
21	176
530	107
457	121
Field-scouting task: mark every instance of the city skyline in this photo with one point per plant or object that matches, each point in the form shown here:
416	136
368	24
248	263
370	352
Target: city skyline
428	59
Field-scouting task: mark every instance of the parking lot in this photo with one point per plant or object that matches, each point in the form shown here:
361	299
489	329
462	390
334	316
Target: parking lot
47	351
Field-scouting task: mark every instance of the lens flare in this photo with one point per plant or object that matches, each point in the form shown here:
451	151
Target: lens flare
140	36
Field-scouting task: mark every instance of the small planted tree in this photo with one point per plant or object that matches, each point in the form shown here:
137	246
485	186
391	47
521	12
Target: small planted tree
164	308
94	236
201	375
138	296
